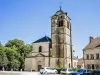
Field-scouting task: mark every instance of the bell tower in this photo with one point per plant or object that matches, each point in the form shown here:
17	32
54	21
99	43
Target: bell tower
61	52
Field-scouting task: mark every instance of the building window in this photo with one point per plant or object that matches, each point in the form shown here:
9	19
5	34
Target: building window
69	65
92	56
61	16
97	56
68	24
97	66
88	66
74	64
93	66
87	56
61	23
40	48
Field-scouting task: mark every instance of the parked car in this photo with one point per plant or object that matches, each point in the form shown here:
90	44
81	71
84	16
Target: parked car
67	71
95	72
84	72
47	70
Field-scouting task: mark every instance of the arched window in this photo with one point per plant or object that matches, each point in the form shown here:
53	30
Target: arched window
68	25
60	23
40	48
61	16
69	65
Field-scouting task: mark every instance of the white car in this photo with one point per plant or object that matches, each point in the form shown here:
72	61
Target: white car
67	71
47	70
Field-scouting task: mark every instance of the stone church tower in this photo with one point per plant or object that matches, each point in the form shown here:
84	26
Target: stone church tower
61	51
55	52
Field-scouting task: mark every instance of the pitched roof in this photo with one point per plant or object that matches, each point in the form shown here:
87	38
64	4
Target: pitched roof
60	11
93	44
43	39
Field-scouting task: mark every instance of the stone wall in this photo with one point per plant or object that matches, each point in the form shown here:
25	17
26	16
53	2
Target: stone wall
91	61
61	40
28	64
45	48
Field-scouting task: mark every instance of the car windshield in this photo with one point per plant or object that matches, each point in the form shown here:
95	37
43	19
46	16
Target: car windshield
80	70
88	70
42	68
50	68
70	70
64	69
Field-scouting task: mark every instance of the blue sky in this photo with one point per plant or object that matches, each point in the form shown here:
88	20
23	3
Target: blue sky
29	20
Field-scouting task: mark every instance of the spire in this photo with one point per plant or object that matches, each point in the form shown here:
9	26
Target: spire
60	11
60	5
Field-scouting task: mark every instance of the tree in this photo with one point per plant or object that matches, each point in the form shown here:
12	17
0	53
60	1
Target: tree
19	44
13	58
21	49
27	49
3	57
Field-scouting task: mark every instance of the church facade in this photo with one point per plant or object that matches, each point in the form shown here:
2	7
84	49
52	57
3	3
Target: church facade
55	52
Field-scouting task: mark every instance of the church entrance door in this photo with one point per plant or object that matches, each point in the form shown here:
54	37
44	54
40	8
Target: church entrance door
39	67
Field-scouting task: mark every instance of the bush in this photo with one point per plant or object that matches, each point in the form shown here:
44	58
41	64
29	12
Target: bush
58	70
75	69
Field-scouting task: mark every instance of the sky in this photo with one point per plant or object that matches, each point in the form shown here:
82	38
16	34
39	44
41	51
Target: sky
30	20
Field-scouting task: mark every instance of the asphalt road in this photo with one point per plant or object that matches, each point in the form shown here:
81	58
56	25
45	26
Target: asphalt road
21	73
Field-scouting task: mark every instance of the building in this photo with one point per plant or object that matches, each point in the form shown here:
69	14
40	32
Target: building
56	52
61	40
91	54
75	61
80	63
39	57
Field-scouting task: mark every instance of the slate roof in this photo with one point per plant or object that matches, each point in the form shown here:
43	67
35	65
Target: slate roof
59	12
94	44
43	39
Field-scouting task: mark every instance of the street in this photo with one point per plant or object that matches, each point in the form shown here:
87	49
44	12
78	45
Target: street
21	73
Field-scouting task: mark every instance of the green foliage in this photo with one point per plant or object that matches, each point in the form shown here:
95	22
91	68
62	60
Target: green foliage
17	43
16	64
27	49
13	57
14	53
75	69
58	70
3	57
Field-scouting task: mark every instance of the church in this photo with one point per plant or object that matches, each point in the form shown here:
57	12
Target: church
55	52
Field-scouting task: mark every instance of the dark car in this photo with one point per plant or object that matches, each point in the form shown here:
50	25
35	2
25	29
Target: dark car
84	72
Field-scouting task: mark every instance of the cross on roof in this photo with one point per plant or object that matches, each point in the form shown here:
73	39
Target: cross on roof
60	5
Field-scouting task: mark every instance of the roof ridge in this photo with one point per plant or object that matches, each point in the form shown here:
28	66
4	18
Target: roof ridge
47	38
43	39
95	42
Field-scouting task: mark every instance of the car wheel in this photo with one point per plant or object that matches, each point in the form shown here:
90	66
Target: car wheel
45	72
61	74
41	73
55	72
